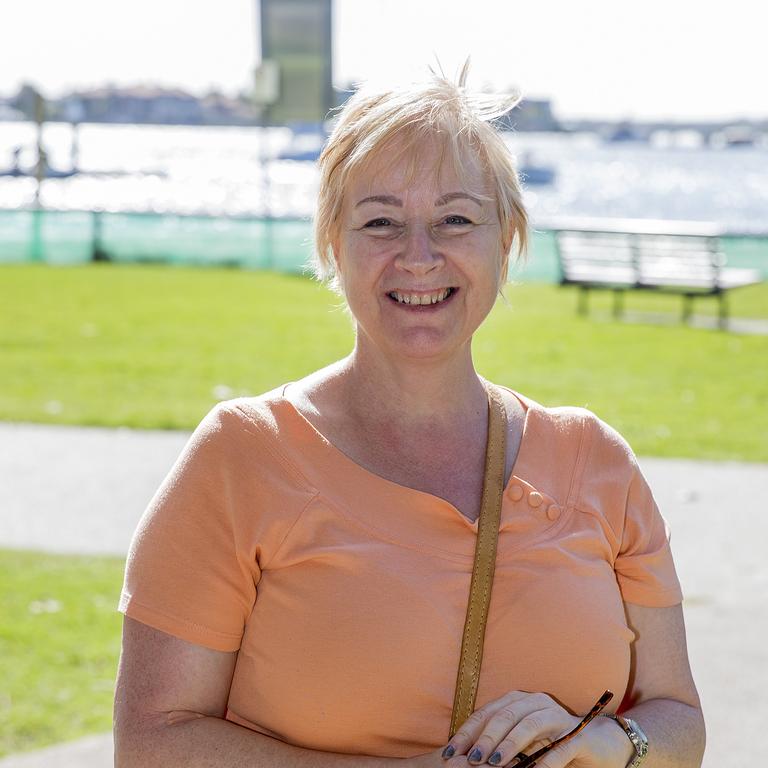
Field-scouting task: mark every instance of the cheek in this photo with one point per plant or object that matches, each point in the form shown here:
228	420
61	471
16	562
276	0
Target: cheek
359	267
365	255
481	252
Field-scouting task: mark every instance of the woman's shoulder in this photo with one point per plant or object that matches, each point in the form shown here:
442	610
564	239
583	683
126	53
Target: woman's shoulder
251	443
260	422
260	412
580	428
266	411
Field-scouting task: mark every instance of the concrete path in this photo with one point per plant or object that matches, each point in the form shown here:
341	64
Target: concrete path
82	490
91	752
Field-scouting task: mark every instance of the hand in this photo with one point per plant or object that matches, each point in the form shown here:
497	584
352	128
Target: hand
432	759
522	722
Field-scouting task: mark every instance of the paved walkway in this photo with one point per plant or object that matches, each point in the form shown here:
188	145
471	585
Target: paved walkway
82	490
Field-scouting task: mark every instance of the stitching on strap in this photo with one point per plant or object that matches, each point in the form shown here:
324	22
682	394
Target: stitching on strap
485	558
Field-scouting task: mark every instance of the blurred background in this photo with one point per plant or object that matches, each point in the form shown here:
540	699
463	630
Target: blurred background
157	180
151	113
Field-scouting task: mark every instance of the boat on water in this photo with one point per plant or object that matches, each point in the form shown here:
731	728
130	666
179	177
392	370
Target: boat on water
537	175
57	173
736	137
31	173
533	173
625	132
16	170
306	143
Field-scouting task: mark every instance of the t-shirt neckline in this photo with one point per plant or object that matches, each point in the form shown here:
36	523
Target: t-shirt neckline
318	437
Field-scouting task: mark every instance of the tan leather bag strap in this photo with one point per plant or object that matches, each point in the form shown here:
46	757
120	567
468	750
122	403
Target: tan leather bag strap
485	561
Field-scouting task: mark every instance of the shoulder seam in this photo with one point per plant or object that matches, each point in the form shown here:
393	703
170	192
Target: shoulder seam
290	466
287	535
580	462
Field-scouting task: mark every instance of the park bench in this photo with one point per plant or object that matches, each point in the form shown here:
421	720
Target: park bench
673	257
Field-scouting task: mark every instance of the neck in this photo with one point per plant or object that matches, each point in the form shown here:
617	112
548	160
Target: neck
413	392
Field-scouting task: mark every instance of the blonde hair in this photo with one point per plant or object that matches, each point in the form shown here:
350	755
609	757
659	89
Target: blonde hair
373	120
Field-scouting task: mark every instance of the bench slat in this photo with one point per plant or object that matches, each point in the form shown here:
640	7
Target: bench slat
647	260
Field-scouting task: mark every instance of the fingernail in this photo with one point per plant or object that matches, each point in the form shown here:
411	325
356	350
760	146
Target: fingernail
449	751
495	758
475	755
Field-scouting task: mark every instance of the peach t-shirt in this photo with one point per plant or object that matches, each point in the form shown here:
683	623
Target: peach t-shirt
345	594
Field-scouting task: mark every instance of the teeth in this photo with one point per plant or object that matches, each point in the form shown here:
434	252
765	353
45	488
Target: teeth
423	299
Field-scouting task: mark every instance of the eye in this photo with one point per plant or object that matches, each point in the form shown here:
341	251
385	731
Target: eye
377	223
456	220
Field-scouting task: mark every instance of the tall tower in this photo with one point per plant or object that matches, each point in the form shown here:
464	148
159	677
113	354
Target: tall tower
295	78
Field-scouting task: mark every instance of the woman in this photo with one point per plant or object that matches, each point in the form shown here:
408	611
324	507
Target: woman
296	592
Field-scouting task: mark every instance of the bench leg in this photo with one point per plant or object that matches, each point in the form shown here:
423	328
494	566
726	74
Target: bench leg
687	307
583	292
618	304
723	312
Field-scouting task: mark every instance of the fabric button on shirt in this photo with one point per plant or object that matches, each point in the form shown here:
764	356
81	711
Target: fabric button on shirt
553	512
535	499
515	492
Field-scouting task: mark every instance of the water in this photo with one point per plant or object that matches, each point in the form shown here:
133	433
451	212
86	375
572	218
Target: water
636	180
221	171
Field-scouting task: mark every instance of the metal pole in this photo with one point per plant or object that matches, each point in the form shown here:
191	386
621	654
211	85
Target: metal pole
266	191
37	250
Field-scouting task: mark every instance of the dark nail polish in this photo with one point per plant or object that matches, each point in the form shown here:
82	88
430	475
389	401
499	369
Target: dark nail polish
449	751
495	758
475	755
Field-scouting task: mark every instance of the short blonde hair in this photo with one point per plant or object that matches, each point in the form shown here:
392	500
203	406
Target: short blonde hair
373	120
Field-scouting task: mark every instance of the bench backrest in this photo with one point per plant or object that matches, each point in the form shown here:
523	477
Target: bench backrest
630	258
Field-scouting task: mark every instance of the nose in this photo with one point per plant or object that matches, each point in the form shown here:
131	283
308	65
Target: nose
419	254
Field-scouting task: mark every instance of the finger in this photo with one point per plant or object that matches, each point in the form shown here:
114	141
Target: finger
514	760
593	746
508	735
559	757
473	726
460	761
497	730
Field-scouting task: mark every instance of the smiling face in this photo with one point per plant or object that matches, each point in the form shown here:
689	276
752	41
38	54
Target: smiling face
419	252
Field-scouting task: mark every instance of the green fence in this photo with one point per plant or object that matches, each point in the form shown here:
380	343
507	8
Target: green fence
77	237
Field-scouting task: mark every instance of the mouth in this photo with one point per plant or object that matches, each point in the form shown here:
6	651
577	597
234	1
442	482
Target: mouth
423	299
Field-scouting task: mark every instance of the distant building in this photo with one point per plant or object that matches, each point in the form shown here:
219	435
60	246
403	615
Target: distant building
25	101
10	114
135	105
144	104
297	54
530	115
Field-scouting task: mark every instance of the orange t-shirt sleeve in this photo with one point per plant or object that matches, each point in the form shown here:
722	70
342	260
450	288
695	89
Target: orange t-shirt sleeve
192	569
644	567
643	563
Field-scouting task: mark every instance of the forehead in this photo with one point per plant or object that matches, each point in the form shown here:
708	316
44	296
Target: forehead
427	166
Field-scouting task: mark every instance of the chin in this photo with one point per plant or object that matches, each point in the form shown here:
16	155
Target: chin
424	344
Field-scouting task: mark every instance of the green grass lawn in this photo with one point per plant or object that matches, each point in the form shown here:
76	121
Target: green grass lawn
59	645
156	347
148	346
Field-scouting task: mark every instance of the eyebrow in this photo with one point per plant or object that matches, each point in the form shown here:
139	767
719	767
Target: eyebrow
386	199
445	199
397	202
